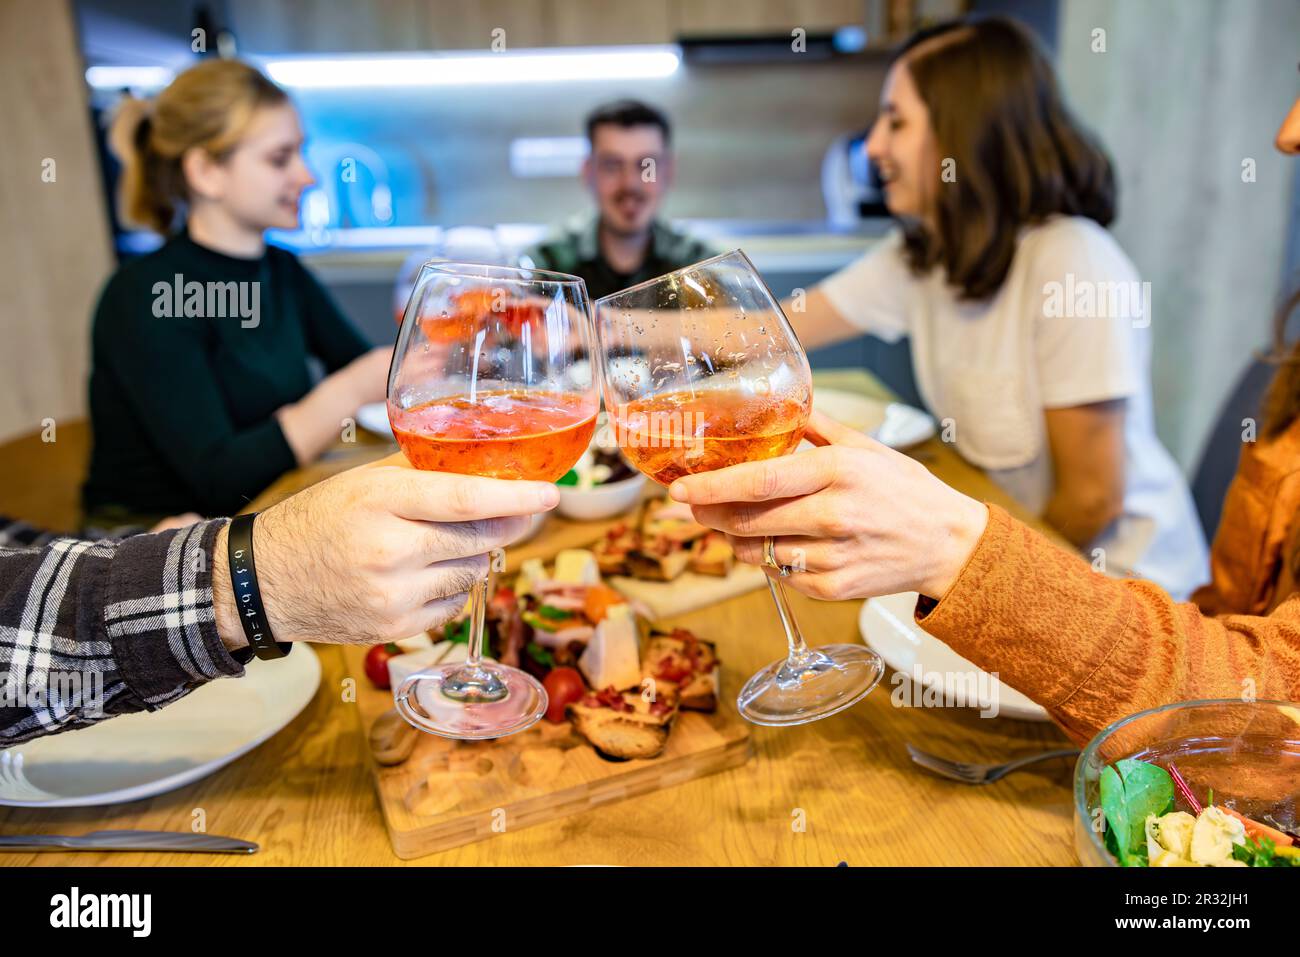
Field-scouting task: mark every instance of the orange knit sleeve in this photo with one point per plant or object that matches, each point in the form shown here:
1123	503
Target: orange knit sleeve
1093	649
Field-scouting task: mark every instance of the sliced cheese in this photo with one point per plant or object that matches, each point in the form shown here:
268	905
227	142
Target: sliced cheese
419	642
401	667
577	566
531	574
613	656
459	651
621	610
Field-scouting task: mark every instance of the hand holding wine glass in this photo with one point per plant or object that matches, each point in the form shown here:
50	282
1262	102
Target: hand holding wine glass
491	377
702	371
376	553
860	518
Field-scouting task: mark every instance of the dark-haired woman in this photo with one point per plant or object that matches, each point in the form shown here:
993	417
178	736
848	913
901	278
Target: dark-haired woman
200	392
864	520
1028	324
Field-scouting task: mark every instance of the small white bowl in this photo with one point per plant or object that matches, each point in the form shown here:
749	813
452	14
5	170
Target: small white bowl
600	501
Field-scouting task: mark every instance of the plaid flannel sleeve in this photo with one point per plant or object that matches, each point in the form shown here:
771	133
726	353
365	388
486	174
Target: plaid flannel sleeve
93	629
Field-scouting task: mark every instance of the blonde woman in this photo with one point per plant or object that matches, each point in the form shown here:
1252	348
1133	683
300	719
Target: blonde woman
200	393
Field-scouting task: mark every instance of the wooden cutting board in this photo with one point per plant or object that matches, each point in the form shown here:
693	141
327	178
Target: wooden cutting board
689	591
449	793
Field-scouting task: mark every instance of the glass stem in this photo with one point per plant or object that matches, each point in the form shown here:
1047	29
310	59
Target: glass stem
478	599
472	682
798	648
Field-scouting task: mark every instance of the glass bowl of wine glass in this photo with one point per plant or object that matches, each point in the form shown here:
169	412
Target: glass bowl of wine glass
491	376
701	370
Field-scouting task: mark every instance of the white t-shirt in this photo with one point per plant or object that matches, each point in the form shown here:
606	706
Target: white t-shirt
1069	326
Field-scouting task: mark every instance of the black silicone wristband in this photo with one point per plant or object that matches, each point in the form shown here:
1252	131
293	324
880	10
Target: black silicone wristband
248	597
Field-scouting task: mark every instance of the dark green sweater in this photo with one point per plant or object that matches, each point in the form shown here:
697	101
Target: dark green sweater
181	406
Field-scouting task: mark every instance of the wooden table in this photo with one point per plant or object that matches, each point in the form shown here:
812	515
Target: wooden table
842	789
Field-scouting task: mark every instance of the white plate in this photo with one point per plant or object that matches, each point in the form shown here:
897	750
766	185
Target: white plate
139	755
892	423
374	418
887	625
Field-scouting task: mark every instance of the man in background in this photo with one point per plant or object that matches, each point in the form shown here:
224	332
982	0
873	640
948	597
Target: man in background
628	169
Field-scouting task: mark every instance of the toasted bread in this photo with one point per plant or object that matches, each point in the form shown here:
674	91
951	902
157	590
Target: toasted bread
612	551
670	520
640	730
612	563
712	555
656	565
685	667
656	546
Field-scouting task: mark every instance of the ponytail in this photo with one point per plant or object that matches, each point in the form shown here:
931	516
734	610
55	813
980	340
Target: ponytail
150	186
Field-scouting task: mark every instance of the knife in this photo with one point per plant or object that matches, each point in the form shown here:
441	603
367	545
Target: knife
129	841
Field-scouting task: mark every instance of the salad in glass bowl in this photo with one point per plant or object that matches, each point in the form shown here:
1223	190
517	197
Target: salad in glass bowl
1193	784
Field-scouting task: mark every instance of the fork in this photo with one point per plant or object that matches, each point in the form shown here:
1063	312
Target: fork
968	773
14	784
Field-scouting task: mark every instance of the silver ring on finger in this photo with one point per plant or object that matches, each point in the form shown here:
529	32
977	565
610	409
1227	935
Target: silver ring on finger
769	558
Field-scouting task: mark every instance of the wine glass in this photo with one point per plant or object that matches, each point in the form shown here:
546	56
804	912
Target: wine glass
701	370
491	376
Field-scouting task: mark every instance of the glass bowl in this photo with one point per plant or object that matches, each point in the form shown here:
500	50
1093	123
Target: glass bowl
1248	752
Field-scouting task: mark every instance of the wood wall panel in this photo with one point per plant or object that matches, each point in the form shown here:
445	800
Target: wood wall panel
55	250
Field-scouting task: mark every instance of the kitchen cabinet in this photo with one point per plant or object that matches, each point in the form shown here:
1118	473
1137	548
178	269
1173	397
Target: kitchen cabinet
886	21
386	26
722	18
610	22
327	26
469	24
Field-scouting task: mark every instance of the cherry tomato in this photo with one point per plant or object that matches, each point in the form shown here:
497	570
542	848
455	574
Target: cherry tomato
562	685
377	663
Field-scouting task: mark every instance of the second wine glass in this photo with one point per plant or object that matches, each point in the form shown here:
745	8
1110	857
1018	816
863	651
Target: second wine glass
701	371
492	376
